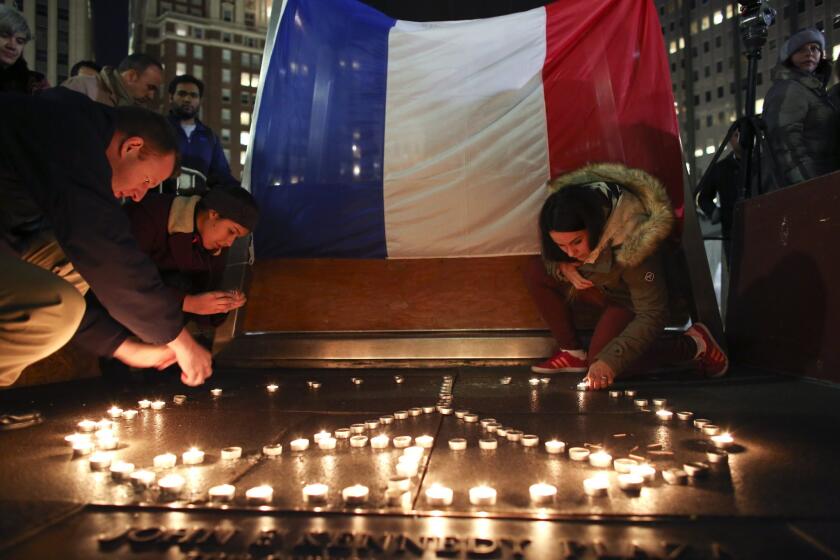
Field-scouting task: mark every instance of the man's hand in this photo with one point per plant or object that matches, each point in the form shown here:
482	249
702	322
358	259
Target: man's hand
194	359
570	271
600	375
141	355
210	303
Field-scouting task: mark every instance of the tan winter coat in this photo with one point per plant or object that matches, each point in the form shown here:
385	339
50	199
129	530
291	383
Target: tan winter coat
106	87
626	265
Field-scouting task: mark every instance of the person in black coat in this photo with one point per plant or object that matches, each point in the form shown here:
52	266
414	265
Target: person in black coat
15	75
722	182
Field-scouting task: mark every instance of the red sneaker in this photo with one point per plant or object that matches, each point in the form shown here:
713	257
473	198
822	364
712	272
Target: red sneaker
711	359
562	362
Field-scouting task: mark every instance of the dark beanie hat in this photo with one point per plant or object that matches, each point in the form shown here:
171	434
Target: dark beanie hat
233	203
803	37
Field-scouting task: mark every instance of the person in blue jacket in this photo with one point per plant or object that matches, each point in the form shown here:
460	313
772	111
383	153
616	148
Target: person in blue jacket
202	155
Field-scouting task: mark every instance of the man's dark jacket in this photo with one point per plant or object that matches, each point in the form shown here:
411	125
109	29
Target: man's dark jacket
722	181
202	150
54	174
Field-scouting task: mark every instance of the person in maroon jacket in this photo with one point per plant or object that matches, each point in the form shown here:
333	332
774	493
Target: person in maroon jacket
187	238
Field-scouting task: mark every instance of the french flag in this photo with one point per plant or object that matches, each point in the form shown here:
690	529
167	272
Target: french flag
382	138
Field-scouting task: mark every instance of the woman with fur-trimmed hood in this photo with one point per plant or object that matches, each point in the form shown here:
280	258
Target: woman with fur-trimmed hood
601	230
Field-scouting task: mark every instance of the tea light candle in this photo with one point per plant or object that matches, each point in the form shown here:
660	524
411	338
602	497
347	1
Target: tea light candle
222	492
342	433
327	443
645	471
192	456
129	414
424	441
641	403
300	444
231	453
314	384
105	433
534	381
371	424
700	422
717	456
502	431
514	435
401	414
107	442
179	399
115	412
387	419
675	476
399	379
660	403
260	494
664	415
273	450
164	461
272	387
428	409
696	469
529	440
596	485
158	405
630	393
73	438
545	380
380	442
142	479
357	428
711	430
486	421
144	403
415	452
555	447
492	427
100	461
445	410
407	469
121	470
415	411
399	483
439	496
505	380
624	466
542	493
482	496
358	441
357	380
401	442
105	424
82	447
488	444
320	435
315	493
723	440
461	413
685	415
171	485
355	495
600	459
471	418
583	386
578	453
615	394
457	444
630	482
86	426
216	392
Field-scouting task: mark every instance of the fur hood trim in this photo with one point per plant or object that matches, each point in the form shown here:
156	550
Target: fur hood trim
642	218
182	214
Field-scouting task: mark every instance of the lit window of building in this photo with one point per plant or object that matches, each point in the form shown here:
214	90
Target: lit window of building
255	80
181	30
244	137
718	17
245	118
180	69
245	79
198	71
704	23
225	134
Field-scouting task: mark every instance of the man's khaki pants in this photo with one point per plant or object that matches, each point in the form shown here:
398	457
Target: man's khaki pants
41	306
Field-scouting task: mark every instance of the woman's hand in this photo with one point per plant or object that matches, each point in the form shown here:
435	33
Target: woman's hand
570	271
600	375
210	303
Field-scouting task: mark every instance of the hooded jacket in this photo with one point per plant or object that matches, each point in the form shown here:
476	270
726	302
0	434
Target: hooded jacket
626	265
802	122
106	87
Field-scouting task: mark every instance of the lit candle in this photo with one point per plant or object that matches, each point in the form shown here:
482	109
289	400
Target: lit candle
371	424
115	412
723	440
105	424
192	456
380	442
121	470
107	442
439	496
407	468
415	452
129	414
82	447
542	493
428	409
555	447
386	420
471	418
717	456
398	379
86	426
645	471
272	387
327	443
314	384
415	411
578	453
358	441
300	444
624	466
488	444
685	415
100	461
630	393
696	469
216	392
711	430
178	399
399	483
171	485
355	495
505	380
660	403
357	380
164	461
675	476
342	433
222	493
460	413
600	459
105	433
144	403
315	493
534	381
73	438
272	450
583	386
457	444
545	380
322	434
401	414
260	494
158	405
630	482
357	428
502	431
445	410
142	479
401	442
529	440
615	394
492	427
700	422
596	485
482	496
641	403
231	453
514	435
664	415
486	421
424	441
